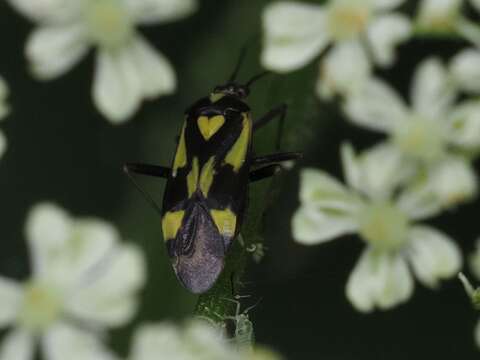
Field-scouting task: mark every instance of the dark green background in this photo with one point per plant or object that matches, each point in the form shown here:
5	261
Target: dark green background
62	150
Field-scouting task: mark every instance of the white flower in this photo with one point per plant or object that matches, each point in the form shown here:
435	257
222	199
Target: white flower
4	111
431	133
386	223
438	15
127	69
295	33
83	281
197	340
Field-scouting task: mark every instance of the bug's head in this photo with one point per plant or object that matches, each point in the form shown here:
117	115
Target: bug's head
232	89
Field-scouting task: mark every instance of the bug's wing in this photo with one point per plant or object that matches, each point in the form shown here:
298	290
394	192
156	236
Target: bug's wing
198	251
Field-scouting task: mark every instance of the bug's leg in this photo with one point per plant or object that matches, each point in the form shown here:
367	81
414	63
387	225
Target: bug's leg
150	170
271	164
275	158
280	112
264	172
147	169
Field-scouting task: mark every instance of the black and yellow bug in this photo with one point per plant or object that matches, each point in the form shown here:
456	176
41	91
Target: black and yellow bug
207	186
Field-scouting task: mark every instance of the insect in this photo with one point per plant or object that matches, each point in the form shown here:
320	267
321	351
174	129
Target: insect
243	334
207	185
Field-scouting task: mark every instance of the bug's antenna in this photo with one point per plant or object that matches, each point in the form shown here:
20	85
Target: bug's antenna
147	197
256	77
241	57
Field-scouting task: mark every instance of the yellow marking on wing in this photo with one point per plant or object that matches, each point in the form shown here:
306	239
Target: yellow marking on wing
181	154
171	223
225	220
206	176
214	97
209	126
236	155
192	178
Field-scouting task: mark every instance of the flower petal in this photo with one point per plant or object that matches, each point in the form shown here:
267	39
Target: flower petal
384	34
465	67
319	189
48	11
199	340
48	228
351	166
117	86
90	244
62	339
205	337
337	75
454	181
376	107
448	183
434	256
312	226
54	50
160	11
294	34
156	74
438	15
463	126
418	202
109	297
433	90
160	341
18	345
10	298
379	280
382	168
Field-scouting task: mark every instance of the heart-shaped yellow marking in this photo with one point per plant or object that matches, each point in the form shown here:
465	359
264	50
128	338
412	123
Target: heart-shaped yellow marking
209	126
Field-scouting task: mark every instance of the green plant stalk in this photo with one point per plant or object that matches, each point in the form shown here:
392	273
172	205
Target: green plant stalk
217	304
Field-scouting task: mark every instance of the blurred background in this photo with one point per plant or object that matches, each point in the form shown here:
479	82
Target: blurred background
62	150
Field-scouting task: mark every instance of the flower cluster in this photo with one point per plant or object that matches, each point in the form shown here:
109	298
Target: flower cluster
433	135
424	165
422	168
368	31
84	282
384	214
127	68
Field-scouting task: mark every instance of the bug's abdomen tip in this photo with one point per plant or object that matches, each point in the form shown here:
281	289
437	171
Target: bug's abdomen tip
199	276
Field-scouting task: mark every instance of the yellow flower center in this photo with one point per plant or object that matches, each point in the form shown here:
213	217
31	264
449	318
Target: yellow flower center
108	22
420	139
347	20
40	308
383	226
